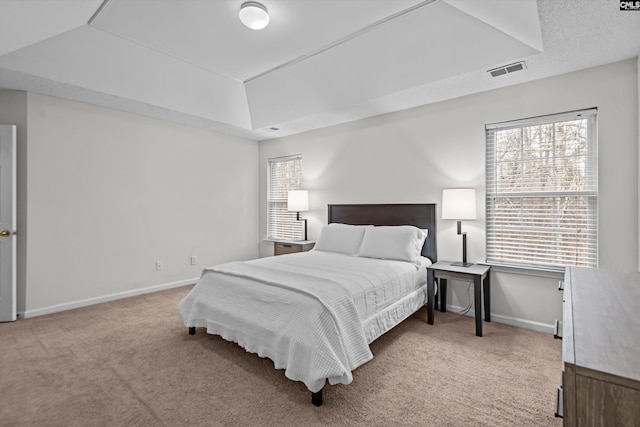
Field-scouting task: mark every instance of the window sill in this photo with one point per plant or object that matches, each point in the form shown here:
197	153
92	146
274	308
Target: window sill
539	272
272	240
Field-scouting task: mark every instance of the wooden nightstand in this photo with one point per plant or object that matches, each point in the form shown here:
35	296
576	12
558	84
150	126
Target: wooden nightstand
478	274
290	247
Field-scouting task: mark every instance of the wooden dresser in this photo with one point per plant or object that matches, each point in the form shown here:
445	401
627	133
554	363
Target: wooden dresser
601	348
291	247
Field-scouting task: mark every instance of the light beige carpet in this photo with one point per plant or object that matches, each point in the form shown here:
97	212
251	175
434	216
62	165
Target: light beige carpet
132	363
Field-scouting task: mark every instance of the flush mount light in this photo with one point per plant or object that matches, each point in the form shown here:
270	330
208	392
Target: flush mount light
254	15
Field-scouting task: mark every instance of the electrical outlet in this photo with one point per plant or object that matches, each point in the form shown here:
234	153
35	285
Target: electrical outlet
194	260
158	265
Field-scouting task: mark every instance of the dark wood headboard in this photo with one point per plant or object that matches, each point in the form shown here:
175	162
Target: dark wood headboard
419	215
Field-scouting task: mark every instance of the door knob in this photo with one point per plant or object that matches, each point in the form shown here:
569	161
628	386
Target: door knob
5	233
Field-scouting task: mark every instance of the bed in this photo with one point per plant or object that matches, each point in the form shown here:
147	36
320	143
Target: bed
315	313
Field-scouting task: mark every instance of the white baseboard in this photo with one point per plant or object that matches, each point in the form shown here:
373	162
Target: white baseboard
508	320
513	321
105	298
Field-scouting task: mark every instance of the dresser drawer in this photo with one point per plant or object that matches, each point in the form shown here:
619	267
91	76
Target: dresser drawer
283	248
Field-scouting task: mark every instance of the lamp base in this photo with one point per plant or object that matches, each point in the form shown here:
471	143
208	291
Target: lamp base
462	264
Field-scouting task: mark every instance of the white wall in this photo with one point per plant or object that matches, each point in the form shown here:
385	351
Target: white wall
410	156
110	193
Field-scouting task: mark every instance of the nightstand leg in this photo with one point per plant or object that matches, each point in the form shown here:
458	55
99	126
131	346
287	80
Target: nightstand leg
487	297
477	293
430	296
442	290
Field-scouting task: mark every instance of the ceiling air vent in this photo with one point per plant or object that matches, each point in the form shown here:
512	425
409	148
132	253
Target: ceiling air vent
511	68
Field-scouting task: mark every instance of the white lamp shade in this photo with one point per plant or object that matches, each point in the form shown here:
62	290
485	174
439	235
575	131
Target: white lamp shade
254	15
298	201
459	203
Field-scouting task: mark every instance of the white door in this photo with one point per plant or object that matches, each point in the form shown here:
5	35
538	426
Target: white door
7	223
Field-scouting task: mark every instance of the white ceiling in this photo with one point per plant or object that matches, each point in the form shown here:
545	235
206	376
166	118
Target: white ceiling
318	63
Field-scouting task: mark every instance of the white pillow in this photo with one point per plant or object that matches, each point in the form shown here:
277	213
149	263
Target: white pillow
342	238
402	242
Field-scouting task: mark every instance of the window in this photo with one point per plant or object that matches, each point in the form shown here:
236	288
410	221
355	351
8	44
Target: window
285	174
542	192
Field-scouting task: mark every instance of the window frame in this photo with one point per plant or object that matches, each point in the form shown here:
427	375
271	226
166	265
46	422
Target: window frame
288	228
589	193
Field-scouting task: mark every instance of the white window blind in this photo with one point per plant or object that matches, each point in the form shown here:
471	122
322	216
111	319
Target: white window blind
542	192
285	174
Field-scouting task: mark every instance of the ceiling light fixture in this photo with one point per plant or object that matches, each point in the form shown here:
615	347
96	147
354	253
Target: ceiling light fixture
254	15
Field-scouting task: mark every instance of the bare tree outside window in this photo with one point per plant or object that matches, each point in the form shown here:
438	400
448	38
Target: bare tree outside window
542	191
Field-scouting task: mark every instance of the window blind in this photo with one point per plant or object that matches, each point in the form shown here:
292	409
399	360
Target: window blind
542	191
285	174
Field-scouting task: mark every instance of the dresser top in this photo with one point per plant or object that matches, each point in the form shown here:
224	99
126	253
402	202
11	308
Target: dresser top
605	320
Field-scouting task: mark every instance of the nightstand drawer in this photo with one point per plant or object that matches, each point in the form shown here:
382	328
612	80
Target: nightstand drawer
283	248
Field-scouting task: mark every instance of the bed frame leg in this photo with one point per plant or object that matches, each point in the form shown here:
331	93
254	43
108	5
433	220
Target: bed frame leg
192	330
316	398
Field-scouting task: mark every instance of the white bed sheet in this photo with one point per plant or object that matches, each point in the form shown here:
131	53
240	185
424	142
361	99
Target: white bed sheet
313	313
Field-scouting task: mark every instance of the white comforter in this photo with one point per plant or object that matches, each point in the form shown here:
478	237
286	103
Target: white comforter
303	311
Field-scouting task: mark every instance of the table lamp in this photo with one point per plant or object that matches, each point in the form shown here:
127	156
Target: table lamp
298	201
459	204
